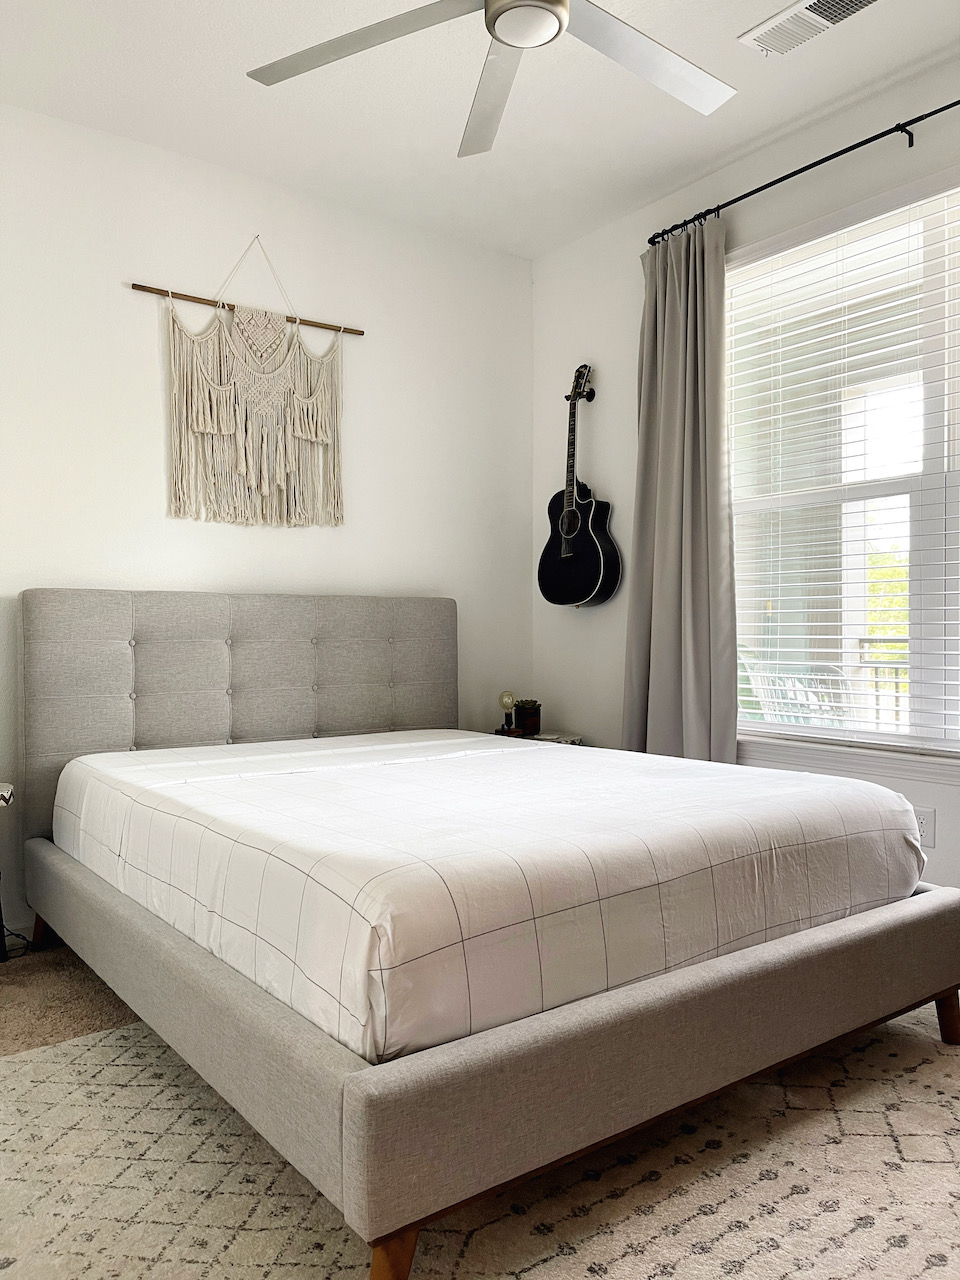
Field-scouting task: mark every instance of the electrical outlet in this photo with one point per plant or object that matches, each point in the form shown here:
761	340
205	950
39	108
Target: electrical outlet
927	822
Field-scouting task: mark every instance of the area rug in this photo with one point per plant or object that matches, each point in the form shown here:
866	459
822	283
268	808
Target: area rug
116	1160
51	995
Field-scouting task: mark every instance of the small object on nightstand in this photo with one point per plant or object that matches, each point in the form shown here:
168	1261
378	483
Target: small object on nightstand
528	717
563	739
6	797
507	703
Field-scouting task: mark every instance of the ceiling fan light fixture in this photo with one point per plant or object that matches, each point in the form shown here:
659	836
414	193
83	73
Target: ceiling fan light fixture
527	27
526	24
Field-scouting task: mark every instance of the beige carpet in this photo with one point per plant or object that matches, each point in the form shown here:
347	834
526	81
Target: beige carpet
117	1161
50	996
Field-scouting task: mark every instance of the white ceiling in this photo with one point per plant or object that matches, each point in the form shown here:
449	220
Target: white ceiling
582	140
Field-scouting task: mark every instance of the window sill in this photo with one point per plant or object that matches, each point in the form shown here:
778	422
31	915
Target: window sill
766	750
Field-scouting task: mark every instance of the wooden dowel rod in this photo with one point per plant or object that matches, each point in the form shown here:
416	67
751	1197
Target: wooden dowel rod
212	302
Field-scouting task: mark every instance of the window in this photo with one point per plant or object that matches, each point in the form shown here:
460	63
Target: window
843	363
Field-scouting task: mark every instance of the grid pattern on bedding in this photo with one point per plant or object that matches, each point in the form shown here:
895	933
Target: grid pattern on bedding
403	890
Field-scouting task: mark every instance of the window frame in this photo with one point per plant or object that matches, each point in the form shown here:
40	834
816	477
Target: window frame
933	496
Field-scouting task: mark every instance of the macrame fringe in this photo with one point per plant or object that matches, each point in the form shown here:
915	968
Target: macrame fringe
253	445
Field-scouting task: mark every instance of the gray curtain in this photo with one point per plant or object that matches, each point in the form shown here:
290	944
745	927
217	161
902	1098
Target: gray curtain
681	672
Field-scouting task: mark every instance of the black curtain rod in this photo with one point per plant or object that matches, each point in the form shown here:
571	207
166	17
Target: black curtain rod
700	218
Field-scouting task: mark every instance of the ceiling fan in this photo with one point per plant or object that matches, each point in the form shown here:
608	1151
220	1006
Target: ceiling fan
516	25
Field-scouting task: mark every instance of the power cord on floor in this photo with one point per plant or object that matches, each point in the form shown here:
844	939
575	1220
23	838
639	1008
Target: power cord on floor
22	950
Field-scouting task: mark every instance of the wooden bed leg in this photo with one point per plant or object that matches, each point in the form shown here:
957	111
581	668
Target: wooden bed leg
393	1255
948	1015
43	935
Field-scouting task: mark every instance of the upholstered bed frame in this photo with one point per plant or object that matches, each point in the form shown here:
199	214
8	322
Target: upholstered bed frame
396	1144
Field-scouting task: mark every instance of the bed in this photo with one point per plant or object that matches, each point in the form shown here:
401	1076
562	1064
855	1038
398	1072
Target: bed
385	1127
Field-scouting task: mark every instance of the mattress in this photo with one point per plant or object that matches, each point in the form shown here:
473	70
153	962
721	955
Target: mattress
402	890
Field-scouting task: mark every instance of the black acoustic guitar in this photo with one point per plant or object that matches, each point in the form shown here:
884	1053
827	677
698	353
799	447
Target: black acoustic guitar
580	563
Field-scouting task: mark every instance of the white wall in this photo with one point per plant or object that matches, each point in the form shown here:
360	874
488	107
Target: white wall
436	439
587	306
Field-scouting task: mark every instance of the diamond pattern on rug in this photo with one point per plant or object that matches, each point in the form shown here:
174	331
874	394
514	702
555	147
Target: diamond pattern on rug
116	1160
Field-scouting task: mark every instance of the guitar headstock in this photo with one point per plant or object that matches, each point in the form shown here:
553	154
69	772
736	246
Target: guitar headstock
581	390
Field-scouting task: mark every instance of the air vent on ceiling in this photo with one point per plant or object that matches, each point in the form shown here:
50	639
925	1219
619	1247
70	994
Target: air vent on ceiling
798	23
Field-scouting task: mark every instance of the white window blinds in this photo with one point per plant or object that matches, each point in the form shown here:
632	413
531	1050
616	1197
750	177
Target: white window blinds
844	411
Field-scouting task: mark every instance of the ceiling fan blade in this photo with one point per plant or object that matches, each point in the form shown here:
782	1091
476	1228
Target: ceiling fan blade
496	81
404	24
647	59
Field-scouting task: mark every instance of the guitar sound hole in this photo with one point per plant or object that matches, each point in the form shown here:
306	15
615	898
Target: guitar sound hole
569	523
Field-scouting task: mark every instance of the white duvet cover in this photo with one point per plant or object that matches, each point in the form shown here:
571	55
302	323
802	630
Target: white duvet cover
404	889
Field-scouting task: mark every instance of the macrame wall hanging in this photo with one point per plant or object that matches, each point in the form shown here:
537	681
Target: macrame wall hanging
255	418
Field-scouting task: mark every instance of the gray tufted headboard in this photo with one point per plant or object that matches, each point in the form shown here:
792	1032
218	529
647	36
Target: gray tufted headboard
118	670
